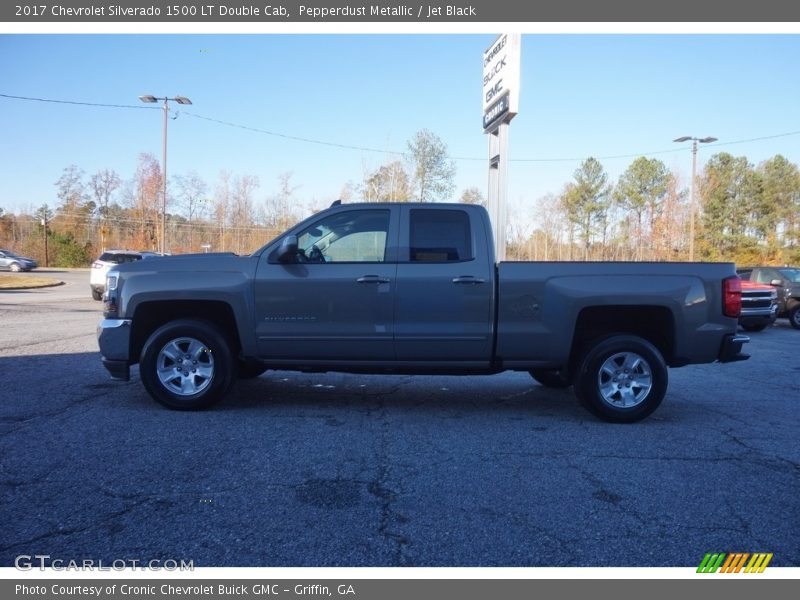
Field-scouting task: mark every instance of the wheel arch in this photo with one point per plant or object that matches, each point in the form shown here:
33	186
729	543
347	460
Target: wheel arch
653	323
149	316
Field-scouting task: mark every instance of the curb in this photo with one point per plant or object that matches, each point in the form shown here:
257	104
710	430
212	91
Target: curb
32	287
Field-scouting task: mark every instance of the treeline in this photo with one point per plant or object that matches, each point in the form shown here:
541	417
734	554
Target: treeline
103	210
743	212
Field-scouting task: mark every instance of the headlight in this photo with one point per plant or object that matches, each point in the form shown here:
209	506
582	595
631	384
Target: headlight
111	281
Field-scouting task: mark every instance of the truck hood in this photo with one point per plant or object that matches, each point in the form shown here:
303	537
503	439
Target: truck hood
218	261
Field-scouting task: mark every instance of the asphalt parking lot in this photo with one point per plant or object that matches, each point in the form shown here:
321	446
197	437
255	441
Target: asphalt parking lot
347	470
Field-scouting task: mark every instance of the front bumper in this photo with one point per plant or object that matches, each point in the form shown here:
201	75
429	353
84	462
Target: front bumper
113	337
758	316
731	350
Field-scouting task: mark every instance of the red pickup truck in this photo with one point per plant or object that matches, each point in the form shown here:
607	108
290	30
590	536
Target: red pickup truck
759	306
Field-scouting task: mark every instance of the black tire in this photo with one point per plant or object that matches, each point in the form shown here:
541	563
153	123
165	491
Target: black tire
759	327
184	345
622	379
15	267
97	294
557	380
794	317
250	370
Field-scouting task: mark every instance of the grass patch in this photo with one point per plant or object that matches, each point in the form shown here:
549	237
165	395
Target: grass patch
12	281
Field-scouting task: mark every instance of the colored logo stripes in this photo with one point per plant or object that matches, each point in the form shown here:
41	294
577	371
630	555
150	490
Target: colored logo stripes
734	562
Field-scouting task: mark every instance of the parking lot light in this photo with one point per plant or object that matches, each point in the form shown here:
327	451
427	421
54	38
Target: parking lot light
150	99
692	202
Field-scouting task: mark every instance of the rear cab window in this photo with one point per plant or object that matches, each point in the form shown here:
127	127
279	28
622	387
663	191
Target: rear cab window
439	236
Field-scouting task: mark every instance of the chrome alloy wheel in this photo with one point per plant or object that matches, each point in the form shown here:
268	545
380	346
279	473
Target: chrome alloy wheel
185	366
624	380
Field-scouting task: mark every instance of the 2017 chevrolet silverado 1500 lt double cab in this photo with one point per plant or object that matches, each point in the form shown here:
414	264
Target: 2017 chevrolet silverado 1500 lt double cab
414	288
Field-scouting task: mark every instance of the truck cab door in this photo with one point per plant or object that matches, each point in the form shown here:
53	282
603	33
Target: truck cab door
444	309
335	300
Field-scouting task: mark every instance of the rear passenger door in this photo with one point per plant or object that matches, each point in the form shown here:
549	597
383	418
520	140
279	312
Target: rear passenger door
444	298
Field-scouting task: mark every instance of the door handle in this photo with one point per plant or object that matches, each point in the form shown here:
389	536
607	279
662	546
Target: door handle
469	280
372	279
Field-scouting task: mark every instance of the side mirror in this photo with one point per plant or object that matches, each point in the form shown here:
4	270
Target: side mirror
287	252
776	282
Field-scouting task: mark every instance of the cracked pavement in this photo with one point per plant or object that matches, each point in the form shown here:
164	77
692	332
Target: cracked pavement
332	469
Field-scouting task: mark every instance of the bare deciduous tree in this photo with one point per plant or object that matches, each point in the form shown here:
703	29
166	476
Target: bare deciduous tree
193	191
103	184
432	170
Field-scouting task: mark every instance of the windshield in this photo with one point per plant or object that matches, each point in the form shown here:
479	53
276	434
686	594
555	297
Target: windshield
10	253
792	275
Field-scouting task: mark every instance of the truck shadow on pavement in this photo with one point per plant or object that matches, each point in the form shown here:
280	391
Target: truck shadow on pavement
46	384
450	397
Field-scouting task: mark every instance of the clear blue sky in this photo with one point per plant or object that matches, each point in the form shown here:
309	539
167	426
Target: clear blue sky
581	95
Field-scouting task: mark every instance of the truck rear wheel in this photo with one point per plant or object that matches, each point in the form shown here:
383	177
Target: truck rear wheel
187	365
622	379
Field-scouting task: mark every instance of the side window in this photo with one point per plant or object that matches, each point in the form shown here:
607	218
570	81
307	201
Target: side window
440	236
350	236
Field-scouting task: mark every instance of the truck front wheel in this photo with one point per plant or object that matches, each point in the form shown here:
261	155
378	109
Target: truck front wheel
187	365
622	379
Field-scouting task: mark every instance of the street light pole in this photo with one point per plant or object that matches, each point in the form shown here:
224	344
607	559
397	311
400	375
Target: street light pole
153	99
692	202
44	227
164	176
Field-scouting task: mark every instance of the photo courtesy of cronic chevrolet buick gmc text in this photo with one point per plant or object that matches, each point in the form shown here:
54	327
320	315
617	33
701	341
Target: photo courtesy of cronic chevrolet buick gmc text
414	288
786	281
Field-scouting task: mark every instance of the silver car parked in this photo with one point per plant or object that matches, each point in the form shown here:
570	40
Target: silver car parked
14	262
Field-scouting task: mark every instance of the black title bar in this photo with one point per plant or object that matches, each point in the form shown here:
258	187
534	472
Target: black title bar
397	11
733	588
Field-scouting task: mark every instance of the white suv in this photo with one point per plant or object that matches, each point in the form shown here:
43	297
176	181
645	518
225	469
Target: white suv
109	258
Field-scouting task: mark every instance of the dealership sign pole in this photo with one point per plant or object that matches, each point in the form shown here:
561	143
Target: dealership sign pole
500	105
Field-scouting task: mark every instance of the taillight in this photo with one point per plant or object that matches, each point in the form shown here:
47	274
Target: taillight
732	297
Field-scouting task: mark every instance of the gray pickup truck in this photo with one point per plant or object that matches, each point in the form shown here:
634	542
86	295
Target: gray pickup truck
414	288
